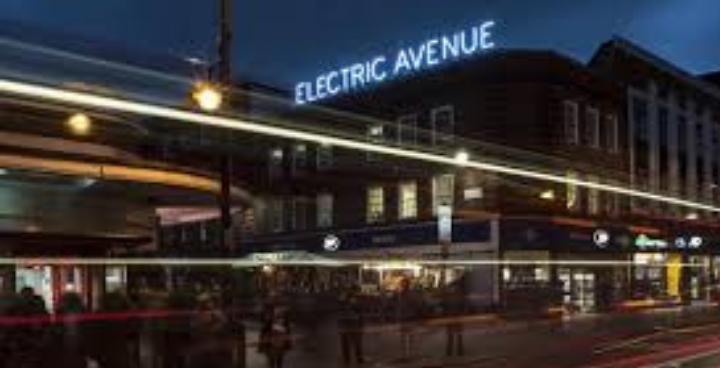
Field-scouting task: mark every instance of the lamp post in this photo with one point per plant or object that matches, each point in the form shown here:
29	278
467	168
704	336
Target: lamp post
225	79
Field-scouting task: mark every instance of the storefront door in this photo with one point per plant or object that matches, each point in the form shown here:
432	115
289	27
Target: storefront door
578	288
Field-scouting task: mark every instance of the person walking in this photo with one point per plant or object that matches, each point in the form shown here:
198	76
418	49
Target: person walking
351	325
275	336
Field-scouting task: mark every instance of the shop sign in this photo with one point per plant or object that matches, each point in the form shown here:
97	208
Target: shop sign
331	243
444	224
601	238
424	55
643	241
690	242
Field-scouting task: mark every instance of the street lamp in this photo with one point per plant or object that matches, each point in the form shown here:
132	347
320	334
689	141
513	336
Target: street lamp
462	156
208	97
79	124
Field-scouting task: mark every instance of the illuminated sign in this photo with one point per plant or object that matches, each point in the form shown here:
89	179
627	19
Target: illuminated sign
331	243
375	70
690	242
601	238
643	241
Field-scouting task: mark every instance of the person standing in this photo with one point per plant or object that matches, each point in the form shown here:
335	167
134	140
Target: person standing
275	337
351	324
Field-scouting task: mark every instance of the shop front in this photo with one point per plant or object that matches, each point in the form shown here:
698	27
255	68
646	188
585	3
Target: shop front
382	258
584	266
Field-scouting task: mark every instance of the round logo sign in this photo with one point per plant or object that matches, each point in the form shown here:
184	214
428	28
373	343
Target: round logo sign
331	243
601	238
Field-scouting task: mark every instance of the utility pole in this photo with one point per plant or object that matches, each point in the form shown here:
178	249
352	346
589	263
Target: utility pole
226	224
225	80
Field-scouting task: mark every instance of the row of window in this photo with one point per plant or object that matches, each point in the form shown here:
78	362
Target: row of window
592	129
442	128
299	158
443	193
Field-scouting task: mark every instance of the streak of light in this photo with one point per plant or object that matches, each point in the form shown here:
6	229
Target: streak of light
330	262
127	106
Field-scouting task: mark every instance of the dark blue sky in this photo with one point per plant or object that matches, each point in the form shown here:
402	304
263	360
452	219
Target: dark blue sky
282	41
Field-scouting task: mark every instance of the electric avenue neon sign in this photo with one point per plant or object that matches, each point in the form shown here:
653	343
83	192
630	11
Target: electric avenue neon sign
432	52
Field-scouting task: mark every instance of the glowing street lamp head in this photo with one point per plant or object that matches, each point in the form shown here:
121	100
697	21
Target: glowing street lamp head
462	156
79	124
208	97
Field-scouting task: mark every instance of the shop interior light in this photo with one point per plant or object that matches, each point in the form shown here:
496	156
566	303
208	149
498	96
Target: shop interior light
691	216
548	195
133	107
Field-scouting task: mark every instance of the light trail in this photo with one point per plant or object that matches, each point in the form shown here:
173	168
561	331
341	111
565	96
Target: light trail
330	262
85	99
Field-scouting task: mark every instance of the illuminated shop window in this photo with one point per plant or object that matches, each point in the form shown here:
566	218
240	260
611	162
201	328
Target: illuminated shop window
407	197
375	204
593	202
571	196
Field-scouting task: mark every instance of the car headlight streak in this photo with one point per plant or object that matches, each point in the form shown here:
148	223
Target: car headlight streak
84	99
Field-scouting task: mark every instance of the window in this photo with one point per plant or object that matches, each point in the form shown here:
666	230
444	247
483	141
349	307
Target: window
663	126
299	213
324	210
375	134
593	202
407	198
324	156
375	204
299	156
407	129
682	136
613	139
570	118
640	118
592	128
443	125
275	162
276	215
443	188
572	198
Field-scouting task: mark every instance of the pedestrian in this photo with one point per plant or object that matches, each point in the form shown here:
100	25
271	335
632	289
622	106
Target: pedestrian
405	315
351	325
452	309
275	337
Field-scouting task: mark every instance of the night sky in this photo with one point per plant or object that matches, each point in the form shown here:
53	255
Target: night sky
282	41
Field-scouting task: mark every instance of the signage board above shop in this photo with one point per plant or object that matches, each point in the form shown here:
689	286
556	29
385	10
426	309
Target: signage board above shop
423	55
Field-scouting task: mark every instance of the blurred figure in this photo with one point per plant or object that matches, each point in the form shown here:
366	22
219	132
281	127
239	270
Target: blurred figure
275	336
452	309
31	304
405	314
351	325
68	341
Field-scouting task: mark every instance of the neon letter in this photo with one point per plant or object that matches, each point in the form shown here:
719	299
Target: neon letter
330	77
299	100
320	86
485	34
431	54
375	75
401	62
467	50
451	47
345	78
356	75
417	58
